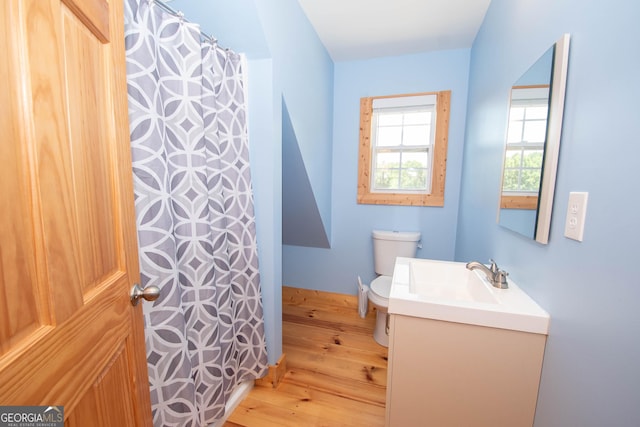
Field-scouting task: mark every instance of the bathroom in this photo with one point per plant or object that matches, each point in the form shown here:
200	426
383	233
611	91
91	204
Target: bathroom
303	123
590	288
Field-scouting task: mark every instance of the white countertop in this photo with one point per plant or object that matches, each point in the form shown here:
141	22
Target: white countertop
443	290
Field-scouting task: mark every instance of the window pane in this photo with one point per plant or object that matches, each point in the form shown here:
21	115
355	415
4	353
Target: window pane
537	113
512	159
516	113
414	179
416	135
415	160
535	131
514	133
390	119
387	160
389	136
530	180
510	181
532	159
386	179
417	118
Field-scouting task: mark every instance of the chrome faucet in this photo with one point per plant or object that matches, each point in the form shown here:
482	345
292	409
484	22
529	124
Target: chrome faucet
496	277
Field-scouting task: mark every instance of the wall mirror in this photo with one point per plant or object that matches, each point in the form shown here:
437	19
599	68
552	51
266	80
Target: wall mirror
532	144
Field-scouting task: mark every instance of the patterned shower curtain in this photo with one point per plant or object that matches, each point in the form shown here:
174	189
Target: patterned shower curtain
195	219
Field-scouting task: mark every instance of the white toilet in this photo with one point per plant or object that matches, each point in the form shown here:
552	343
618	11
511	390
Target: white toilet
387	245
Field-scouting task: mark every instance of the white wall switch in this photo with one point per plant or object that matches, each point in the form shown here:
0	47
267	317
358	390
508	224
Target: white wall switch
576	213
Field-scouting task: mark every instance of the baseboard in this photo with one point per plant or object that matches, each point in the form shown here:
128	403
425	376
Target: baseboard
275	374
300	296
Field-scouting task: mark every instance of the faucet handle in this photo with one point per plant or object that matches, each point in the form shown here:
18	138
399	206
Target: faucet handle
501	279
493	266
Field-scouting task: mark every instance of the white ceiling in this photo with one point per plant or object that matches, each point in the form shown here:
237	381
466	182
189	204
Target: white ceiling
359	29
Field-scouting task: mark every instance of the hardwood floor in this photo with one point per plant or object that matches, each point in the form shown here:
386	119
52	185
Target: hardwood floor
336	373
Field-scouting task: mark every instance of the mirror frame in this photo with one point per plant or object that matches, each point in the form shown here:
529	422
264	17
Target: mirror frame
554	134
552	142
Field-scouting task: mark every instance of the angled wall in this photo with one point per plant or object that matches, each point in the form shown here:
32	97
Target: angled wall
301	221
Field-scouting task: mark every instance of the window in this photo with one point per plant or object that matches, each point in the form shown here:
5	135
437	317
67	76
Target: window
526	135
403	149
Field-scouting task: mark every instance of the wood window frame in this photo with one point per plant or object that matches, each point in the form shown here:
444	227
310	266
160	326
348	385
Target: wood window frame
439	167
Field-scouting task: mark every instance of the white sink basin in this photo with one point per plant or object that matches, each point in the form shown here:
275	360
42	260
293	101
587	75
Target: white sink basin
448	291
447	281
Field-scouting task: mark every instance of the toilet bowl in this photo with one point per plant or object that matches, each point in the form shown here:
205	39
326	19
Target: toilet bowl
387	246
379	297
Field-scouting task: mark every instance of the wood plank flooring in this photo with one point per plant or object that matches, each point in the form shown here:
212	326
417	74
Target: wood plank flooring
336	373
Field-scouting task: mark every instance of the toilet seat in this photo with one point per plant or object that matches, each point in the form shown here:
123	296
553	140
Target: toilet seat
380	289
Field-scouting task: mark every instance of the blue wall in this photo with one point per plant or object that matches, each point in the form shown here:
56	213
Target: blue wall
351	253
265	154
591	373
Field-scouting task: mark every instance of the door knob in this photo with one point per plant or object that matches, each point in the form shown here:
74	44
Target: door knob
150	293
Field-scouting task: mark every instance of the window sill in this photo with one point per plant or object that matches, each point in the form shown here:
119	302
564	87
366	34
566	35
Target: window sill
401	199
519	202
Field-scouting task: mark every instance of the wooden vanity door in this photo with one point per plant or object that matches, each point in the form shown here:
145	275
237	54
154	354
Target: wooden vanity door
68	253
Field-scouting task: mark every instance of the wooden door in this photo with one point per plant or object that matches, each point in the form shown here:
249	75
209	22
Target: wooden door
68	254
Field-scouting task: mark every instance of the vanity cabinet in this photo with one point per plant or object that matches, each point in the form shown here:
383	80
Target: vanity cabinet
444	373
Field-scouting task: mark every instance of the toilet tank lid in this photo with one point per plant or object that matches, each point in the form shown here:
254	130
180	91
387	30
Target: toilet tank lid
405	236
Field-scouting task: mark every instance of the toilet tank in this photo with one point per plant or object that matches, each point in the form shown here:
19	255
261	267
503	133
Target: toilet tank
388	245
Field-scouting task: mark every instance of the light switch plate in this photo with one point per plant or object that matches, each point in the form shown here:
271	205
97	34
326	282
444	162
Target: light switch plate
576	213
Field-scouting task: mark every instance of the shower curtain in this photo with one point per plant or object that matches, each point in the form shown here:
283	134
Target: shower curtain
195	219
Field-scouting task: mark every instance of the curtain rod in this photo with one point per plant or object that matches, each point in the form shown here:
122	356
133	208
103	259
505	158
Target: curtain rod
180	15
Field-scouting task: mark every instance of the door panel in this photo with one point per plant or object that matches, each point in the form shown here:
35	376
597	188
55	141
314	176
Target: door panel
91	176
68	253
117	411
17	265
